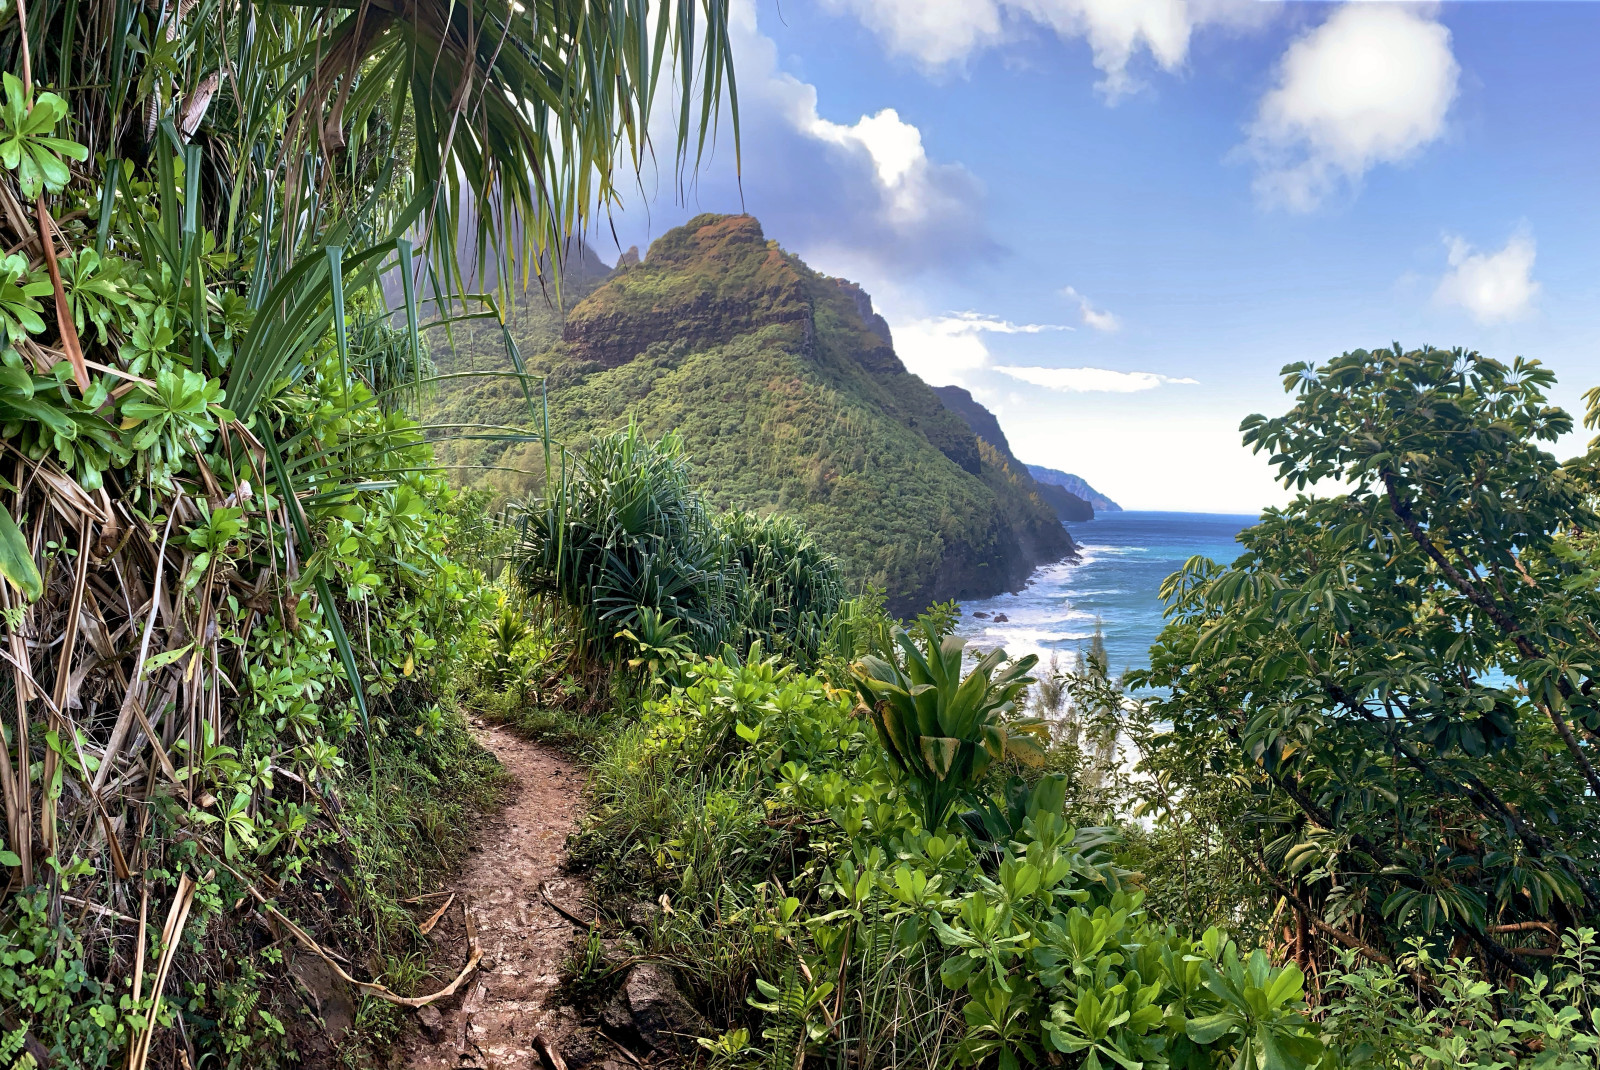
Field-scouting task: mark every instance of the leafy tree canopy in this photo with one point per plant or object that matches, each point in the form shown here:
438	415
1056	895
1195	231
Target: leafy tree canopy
1402	672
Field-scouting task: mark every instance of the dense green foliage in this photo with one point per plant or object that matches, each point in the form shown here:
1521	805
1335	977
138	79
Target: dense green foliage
626	540
1396	670
788	398
251	790
815	916
236	602
792	850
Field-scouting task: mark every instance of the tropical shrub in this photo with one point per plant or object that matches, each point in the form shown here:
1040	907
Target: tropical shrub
791	847
1380	1016
1394	676
791	588
627	532
627	541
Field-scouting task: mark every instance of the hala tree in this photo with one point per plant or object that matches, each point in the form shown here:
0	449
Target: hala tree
1399	671
218	540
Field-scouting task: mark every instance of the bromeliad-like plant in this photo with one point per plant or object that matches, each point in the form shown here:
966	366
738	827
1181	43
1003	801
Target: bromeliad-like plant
943	730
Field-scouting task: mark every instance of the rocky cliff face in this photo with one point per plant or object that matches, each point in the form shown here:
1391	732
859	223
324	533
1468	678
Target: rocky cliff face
709	283
786	388
1077	486
982	422
1067	506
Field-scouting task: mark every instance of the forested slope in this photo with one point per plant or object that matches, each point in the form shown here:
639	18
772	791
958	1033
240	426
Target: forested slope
789	396
959	400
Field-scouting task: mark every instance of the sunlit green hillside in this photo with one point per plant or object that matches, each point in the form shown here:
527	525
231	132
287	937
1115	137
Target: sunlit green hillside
788	393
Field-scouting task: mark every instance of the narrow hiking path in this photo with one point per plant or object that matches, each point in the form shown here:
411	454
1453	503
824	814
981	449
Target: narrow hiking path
513	999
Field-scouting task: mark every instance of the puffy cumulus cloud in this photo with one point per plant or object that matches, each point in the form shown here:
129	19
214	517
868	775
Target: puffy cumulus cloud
1092	380
949	349
941	33
1494	287
913	190
934	32
1100	319
859	196
1371	85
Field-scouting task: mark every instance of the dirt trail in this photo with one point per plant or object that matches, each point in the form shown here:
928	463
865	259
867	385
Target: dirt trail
513	998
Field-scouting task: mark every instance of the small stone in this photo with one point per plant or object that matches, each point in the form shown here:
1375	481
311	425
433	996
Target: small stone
665	1020
616	1015
431	1021
640	915
332	998
1001	618
581	1048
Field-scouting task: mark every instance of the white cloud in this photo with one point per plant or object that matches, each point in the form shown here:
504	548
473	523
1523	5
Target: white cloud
946	349
1371	85
979	321
941	33
862	193
1099	319
1494	287
1092	380
905	178
934	33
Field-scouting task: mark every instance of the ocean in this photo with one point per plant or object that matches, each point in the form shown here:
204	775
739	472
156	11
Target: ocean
1123	559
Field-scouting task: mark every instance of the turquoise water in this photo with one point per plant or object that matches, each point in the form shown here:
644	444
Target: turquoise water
1124	557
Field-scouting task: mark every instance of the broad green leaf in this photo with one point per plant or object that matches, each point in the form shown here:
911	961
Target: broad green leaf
16	562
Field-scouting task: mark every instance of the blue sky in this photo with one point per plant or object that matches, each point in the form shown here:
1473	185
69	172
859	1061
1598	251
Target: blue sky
1115	220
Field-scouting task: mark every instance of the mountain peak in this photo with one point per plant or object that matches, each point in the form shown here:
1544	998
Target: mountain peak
786	389
712	278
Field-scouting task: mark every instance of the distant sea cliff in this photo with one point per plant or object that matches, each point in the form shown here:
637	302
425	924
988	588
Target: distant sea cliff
1068	506
1074	486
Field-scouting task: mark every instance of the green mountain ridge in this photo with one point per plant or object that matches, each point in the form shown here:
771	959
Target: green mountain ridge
788	394
1073	484
1067	505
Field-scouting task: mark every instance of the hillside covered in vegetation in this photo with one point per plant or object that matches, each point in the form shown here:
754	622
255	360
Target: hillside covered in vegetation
959	400
786	390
